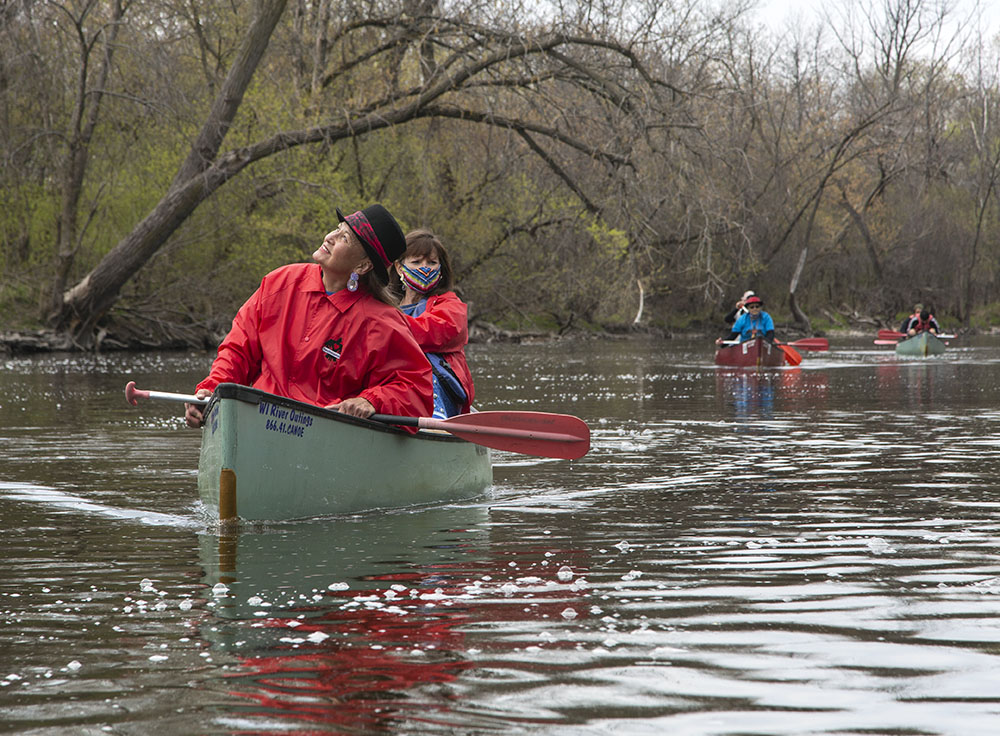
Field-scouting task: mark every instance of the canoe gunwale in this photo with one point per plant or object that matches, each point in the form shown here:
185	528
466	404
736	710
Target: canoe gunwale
250	395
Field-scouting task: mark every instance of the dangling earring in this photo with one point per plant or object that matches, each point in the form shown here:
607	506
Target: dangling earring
352	283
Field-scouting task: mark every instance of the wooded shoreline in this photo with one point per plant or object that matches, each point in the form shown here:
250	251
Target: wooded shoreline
21	343
588	165
27	342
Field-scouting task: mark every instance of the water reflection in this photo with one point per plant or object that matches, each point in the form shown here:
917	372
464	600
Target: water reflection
810	551
356	623
750	394
919	383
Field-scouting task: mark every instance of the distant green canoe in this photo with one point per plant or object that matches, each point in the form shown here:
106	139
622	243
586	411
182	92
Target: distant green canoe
920	345
265	457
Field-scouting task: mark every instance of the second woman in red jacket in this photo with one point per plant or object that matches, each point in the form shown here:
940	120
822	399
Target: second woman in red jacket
423	279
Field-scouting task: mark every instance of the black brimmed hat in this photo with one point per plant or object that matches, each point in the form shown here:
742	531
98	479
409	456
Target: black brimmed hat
380	236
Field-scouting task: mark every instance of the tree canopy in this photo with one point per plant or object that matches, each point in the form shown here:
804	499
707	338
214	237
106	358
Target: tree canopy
600	163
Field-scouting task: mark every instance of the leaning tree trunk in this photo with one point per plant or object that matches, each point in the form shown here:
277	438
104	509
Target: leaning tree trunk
205	169
198	177
88	301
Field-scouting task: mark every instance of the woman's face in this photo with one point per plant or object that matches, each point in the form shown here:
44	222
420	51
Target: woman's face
340	252
413	262
430	260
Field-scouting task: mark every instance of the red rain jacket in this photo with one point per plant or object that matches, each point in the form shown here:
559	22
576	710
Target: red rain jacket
292	339
443	328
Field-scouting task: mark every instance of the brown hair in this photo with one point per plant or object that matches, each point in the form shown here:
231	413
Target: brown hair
377	289
421	243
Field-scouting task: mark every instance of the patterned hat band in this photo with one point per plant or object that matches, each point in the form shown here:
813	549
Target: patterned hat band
366	232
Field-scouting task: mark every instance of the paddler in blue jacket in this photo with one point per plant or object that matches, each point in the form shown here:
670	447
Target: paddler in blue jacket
755	323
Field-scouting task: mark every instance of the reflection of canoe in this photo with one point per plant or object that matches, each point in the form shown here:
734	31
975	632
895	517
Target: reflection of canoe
327	625
755	353
922	344
283	566
264	457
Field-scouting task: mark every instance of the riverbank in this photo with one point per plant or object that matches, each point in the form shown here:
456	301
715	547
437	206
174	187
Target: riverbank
27	342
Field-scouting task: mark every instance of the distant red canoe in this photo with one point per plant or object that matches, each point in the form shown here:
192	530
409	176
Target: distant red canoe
756	353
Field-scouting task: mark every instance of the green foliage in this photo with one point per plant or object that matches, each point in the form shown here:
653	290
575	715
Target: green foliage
18	305
554	214
612	240
27	221
986	317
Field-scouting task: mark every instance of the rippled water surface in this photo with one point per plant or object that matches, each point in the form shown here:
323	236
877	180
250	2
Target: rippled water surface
802	551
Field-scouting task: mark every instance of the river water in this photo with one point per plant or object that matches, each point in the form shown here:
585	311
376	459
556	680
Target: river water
801	551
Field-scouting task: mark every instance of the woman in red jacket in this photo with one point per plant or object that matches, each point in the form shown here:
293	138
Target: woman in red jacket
438	319
328	333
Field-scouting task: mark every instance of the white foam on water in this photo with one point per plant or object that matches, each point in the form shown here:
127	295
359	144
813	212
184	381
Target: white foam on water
61	500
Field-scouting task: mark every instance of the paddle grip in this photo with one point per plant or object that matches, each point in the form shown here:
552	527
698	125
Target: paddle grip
132	393
390	419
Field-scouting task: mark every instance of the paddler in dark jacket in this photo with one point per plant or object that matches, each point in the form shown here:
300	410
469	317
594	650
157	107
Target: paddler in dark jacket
739	310
920	322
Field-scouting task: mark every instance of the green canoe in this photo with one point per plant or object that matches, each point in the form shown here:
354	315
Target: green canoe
265	457
920	345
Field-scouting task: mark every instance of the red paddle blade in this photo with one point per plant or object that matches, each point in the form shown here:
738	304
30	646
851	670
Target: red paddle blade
890	335
811	343
791	356
525	432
